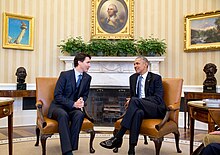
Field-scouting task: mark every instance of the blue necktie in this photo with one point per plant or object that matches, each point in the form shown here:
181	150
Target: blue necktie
139	86
79	80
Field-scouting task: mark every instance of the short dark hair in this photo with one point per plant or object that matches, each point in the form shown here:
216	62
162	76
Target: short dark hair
80	57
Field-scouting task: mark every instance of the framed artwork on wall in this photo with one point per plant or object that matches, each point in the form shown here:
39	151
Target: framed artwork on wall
18	31
112	19
202	31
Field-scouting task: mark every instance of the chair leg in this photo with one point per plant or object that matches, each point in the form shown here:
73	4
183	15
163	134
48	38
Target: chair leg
177	137
92	136
43	139
37	130
158	143
145	140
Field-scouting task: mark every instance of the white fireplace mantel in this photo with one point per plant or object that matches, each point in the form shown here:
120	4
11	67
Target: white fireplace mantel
112	71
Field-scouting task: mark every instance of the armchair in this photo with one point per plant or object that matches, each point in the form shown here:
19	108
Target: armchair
156	129
46	127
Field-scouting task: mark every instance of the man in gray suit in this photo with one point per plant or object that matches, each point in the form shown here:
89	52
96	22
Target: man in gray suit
146	92
71	92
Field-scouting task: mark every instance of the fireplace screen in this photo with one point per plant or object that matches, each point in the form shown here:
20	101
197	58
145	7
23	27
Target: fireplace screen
105	105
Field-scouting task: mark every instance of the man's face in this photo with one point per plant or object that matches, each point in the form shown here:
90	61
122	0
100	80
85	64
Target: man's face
21	73
85	65
110	11
140	66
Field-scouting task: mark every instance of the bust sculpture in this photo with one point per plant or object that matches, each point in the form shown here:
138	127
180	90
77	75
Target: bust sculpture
21	75
209	85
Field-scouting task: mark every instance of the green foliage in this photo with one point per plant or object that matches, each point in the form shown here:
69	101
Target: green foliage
120	47
72	45
99	47
124	47
151	46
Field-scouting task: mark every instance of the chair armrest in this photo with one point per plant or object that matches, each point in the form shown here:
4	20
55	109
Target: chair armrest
39	105
90	118
170	109
121	116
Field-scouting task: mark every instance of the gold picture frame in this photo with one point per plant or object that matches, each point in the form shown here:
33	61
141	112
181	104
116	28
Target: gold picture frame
120	25
202	31
18	31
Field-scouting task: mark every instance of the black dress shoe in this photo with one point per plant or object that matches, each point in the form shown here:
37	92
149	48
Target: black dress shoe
111	143
131	152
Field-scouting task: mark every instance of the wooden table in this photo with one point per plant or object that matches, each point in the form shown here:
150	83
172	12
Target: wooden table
6	109
190	96
198	110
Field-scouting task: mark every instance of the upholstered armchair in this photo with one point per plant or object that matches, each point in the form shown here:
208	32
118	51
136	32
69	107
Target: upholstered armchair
156	129
46	127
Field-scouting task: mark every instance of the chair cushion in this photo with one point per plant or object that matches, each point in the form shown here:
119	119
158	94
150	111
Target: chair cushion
50	128
148	127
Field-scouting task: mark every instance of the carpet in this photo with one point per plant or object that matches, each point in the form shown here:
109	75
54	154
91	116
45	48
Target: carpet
25	146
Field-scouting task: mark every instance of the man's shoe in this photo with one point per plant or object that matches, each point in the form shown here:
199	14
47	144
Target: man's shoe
131	152
111	143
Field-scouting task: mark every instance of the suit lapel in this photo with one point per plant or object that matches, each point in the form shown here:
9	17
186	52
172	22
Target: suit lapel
147	82
73	78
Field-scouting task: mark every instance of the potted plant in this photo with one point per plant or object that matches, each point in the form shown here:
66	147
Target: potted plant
99	47
151	46
72	45
125	47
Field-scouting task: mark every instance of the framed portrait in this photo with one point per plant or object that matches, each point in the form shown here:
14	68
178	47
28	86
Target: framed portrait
202	31
18	31
112	19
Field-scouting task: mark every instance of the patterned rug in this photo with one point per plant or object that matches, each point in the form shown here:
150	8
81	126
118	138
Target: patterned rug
25	146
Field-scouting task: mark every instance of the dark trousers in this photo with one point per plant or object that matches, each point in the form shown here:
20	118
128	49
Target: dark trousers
69	125
138	109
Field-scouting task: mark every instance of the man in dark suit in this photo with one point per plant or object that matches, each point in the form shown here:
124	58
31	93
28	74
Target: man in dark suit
71	92
146	92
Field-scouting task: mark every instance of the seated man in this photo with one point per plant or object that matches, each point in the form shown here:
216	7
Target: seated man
72	89
146	91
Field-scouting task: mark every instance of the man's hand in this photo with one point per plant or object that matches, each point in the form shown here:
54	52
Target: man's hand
79	103
127	102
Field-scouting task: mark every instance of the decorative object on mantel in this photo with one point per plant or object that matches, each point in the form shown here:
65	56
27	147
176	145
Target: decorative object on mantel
209	85
21	75
120	47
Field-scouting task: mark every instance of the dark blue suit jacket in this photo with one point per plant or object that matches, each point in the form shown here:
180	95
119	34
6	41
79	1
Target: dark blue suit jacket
153	90
65	93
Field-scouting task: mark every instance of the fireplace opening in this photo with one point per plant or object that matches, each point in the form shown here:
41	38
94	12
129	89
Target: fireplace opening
105	105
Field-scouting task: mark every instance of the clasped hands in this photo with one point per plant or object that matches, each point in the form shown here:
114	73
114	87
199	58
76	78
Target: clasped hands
79	103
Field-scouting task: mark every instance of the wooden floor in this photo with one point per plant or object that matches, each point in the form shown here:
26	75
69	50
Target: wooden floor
29	131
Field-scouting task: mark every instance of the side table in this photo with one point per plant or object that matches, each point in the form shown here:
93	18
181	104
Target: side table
191	96
199	110
6	109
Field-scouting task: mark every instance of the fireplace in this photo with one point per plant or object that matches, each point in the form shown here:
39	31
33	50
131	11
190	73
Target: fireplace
109	85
